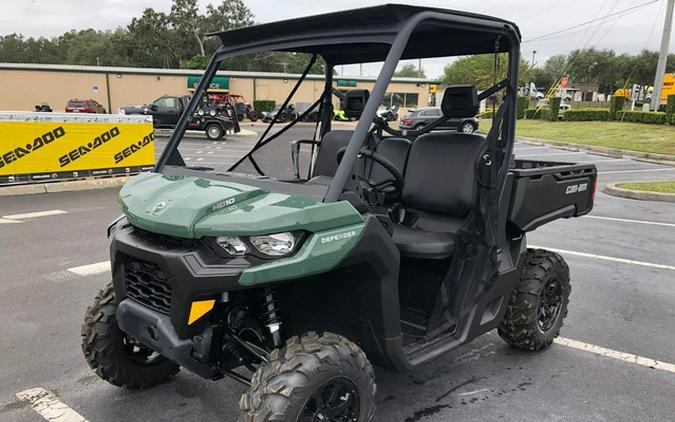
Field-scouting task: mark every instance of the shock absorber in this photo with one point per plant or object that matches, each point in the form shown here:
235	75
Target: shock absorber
271	317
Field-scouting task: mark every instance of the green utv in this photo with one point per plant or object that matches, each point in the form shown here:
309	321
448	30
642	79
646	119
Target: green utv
395	248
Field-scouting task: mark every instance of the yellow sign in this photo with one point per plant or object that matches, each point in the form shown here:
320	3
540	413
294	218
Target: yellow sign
668	87
433	88
45	146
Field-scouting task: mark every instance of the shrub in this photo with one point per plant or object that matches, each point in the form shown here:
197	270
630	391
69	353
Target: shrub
587	115
536	113
523	105
648	117
616	105
670	109
264	105
554	111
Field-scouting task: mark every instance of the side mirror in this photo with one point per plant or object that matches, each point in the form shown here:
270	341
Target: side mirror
355	101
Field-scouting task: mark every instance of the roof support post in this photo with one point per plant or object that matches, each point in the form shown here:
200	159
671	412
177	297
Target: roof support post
346	167
327	109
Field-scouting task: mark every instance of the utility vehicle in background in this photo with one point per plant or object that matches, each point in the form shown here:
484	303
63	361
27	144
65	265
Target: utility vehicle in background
394	248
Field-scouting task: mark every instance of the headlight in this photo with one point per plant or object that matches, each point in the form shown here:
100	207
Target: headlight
212	113
200	112
232	245
279	244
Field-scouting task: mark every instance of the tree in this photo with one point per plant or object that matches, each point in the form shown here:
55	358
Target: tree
479	70
410	71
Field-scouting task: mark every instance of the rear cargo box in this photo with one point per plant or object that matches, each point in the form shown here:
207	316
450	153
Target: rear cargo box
544	191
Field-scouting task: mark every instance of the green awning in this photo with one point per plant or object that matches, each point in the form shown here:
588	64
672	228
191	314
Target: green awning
346	82
218	82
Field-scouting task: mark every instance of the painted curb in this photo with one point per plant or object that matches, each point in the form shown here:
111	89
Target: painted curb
612	189
66	186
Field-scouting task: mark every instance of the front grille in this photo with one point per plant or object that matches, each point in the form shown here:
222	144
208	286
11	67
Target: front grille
146	284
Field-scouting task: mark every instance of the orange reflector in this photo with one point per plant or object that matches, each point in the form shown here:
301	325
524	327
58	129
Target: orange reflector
200	308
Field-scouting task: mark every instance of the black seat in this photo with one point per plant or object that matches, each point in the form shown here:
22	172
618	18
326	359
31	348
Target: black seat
396	150
440	185
326	163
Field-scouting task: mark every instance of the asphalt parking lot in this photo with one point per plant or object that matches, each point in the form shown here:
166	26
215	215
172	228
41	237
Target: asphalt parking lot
615	360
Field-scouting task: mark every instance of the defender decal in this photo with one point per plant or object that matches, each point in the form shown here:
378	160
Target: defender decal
339	236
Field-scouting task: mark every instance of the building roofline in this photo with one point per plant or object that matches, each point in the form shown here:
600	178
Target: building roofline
190	72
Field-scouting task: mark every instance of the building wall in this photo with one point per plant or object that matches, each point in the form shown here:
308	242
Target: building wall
23	89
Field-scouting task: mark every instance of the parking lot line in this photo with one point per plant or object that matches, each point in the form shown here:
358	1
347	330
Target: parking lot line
35	214
609	353
550	154
47	405
626	220
91	269
608	258
3	221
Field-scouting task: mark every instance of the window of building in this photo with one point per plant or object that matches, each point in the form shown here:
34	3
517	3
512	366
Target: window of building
401	99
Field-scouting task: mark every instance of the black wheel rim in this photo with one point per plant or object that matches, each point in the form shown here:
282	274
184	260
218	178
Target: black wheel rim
550	304
138	353
336	400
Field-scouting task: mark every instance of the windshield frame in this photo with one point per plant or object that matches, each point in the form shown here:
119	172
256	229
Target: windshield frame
398	41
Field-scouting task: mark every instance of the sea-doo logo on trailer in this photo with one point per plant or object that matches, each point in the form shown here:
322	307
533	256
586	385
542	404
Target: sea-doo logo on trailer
39	142
133	148
339	236
581	187
85	149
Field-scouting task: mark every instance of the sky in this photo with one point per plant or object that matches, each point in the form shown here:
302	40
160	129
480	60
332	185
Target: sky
630	32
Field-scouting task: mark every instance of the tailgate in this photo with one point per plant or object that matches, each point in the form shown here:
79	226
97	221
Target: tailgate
544	191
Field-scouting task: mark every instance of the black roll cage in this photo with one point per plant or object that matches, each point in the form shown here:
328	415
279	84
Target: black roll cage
506	39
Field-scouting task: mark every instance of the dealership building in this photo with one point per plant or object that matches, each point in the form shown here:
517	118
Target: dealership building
22	86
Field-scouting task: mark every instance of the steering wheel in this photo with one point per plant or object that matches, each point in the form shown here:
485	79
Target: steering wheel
383	186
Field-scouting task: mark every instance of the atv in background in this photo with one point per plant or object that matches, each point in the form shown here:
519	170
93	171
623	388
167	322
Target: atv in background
282	114
395	248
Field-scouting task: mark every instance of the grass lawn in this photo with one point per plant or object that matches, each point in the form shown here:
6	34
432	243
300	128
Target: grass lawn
659	139
661	187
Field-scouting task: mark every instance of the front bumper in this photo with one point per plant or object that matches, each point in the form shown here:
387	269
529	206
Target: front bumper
155	331
189	271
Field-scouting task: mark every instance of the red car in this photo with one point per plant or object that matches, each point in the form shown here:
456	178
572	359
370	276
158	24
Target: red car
84	106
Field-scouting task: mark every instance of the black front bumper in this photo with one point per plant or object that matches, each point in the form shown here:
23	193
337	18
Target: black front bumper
188	269
155	331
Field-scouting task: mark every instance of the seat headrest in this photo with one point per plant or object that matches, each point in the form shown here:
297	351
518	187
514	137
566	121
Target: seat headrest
355	102
460	101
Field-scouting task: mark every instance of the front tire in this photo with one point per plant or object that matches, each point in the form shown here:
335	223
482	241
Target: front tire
114	356
313	378
214	131
539	302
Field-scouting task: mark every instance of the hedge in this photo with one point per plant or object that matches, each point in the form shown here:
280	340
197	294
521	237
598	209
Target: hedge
522	106
537	113
264	105
554	111
670	109
587	115
651	117
616	105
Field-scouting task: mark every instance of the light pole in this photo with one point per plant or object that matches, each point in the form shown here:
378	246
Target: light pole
663	56
534	54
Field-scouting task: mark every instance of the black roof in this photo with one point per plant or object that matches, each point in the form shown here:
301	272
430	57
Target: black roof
364	35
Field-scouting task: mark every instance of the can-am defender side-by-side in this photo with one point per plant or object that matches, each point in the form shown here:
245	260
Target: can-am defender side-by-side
397	246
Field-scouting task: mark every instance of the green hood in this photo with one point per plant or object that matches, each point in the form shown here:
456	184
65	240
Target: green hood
192	207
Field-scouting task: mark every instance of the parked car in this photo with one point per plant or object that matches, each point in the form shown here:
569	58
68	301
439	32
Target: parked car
288	114
84	106
214	119
418	118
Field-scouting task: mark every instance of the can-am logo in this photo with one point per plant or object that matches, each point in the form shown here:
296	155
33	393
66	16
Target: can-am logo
339	236
581	187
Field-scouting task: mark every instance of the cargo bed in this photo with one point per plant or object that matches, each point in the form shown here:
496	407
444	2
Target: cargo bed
544	191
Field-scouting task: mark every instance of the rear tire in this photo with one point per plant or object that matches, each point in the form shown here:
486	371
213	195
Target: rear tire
111	353
538	304
214	131
313	378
